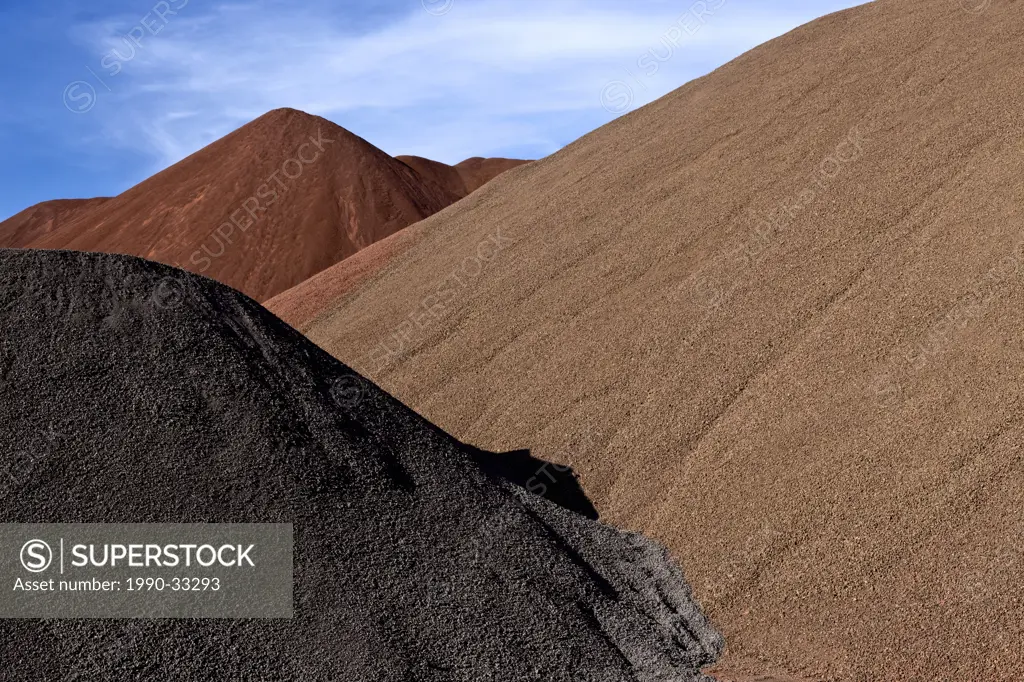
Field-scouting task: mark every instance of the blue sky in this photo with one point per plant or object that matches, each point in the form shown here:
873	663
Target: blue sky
100	95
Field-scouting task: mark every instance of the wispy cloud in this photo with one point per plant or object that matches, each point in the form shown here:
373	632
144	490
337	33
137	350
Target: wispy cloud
485	77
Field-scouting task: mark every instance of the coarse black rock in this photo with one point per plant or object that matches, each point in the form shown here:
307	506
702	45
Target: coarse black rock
146	394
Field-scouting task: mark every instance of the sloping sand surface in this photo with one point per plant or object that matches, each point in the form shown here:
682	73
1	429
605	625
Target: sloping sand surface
774	319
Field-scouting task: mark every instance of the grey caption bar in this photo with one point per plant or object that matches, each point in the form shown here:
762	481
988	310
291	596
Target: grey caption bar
146	570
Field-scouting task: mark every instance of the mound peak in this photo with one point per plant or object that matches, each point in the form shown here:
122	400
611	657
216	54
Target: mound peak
265	207
262	208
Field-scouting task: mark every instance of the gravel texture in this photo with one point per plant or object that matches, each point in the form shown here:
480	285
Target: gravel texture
133	392
773	319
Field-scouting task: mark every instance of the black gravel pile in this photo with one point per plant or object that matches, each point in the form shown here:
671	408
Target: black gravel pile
133	392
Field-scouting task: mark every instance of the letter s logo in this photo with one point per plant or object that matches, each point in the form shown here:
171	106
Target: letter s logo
36	556
79	91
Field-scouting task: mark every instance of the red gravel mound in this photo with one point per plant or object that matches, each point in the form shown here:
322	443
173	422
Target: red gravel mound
262	209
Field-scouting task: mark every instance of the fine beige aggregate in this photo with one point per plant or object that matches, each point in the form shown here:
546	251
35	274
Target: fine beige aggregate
774	319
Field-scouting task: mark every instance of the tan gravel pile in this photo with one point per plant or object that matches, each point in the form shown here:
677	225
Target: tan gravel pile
774	319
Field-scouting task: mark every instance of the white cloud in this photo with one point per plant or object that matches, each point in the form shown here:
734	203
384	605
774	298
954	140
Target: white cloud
486	77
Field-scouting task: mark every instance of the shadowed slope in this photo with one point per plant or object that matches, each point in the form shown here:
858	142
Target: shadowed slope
166	397
441	174
772	318
477	172
466	176
301	304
